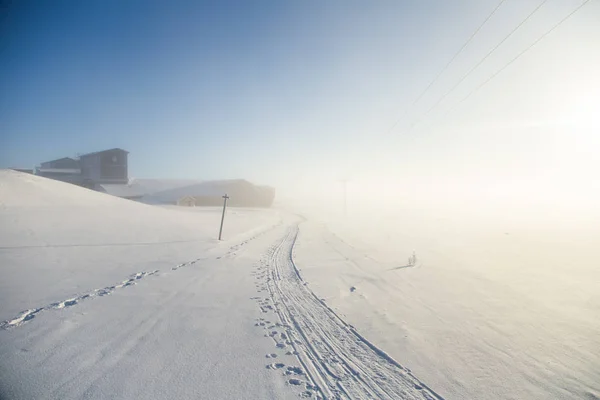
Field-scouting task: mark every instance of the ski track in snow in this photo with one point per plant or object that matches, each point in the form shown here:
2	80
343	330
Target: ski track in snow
28	315
337	362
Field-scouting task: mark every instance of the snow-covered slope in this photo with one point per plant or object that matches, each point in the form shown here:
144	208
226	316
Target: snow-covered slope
58	239
108	298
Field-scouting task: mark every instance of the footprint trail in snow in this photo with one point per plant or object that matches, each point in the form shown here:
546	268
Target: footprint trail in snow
336	361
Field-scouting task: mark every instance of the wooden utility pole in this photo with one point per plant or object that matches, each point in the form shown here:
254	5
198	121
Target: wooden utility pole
223	215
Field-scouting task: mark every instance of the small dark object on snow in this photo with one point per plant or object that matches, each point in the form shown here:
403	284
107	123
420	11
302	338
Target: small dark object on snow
352	289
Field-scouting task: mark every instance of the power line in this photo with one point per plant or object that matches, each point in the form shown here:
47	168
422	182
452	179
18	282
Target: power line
449	62
476	89
484	58
526	50
458	52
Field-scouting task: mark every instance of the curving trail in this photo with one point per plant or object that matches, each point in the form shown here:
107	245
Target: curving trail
340	363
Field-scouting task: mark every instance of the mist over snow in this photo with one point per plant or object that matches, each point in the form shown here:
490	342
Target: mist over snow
413	210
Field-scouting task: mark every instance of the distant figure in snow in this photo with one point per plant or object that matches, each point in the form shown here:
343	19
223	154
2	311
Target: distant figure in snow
412	260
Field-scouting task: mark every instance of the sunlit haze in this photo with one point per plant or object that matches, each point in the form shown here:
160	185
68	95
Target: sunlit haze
301	95
300	199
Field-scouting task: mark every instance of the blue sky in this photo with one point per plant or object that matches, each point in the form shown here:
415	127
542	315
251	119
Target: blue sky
271	91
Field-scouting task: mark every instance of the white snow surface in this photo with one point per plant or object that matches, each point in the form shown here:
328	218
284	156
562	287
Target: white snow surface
108	298
490	311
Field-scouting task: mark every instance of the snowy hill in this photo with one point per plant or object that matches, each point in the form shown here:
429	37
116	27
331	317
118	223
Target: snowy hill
91	284
61	232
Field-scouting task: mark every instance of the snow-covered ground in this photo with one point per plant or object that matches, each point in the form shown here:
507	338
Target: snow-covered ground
492	310
125	300
108	298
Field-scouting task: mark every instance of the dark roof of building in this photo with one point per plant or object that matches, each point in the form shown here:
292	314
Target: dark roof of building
59	159
103	151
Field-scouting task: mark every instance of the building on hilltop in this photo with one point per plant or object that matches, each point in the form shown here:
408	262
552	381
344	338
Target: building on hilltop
89	170
107	172
61	163
64	169
104	167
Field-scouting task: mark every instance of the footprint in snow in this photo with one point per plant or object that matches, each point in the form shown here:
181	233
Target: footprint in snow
24	316
294	371
30	314
70	303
